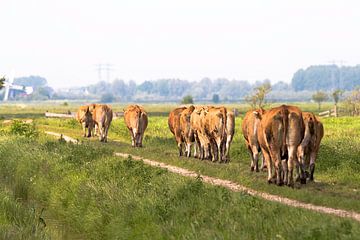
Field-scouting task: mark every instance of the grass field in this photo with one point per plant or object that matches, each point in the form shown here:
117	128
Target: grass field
88	193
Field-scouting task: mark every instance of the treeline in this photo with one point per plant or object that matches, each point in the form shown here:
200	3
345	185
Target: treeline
304	83
326	77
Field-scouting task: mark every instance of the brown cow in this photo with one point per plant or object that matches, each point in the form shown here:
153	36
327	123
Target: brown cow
174	126
136	121
280	133
84	117
202	142
185	128
102	116
249	127
310	145
215	127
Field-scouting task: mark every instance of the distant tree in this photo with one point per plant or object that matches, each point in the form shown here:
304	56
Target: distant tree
31	81
187	100
336	97
107	98
352	103
2	82
257	100
215	98
319	97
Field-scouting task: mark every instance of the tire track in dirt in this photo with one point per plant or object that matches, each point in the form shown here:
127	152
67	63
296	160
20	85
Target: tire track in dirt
232	185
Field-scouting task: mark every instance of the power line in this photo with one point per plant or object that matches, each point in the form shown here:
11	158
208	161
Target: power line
104	71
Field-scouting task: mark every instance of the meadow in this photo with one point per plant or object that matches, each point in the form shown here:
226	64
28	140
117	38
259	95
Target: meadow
87	193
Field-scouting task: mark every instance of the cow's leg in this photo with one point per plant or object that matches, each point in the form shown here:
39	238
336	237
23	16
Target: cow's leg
84	128
100	128
252	163
263	162
275	156
228	142
312	165
220	147
284	170
214	151
141	139
269	163
106	133
188	149
179	144
292	161
135	136
255	159
89	130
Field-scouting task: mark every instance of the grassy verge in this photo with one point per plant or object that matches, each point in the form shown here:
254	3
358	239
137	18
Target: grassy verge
98	196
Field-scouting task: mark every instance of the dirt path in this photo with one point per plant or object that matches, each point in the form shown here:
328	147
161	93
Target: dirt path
234	186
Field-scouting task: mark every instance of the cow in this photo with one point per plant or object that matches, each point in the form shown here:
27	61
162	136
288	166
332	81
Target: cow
136	121
174	126
310	145
215	129
229	131
185	128
280	133
249	128
202	142
102	116
84	117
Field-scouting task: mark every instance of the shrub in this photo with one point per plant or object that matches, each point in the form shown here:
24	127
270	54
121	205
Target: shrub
21	128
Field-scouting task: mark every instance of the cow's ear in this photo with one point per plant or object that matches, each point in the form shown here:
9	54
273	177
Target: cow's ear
87	110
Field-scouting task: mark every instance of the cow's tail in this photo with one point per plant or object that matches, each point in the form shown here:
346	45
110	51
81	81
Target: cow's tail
285	122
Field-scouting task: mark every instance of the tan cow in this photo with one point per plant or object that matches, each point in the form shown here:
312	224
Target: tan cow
102	116
185	128
310	145
230	131
84	117
280	133
215	129
174	126
249	128
136	121
202	142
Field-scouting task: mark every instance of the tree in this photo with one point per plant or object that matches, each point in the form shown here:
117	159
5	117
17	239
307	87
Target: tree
107	98
319	97
257	100
215	98
188	99
2	82
336	97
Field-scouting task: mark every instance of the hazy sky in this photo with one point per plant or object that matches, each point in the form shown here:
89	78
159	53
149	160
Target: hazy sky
188	39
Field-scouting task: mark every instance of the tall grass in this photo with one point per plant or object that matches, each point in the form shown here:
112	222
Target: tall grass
98	196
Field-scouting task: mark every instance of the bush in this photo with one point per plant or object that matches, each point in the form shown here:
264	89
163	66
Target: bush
21	128
187	100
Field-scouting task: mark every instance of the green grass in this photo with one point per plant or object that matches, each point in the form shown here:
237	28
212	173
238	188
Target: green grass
90	194
336	173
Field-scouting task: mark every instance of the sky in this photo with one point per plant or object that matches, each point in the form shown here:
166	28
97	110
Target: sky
64	41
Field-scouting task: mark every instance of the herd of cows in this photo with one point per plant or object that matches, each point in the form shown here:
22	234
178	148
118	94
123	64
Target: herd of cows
287	138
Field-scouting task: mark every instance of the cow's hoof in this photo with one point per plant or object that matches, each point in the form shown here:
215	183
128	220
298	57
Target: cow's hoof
303	180
279	183
252	169
290	184
269	181
297	179
257	170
